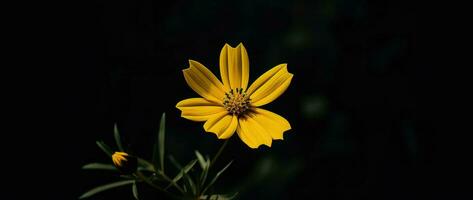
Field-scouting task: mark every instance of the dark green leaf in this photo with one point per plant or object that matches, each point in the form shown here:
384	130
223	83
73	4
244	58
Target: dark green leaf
145	165
135	191
116	134
205	165
203	176
105	148
105	187
126	176
158	149
184	172
162	134
216	177
99	166
202	161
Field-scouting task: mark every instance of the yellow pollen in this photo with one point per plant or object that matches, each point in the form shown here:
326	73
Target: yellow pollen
236	101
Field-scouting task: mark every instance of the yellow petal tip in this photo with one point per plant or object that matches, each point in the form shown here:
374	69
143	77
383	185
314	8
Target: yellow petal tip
191	61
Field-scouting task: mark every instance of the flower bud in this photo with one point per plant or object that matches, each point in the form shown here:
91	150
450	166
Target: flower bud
125	163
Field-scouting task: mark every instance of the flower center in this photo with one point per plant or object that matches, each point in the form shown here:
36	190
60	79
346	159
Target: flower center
236	101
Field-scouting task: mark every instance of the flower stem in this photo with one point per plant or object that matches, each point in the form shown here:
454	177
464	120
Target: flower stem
146	180
219	152
171	183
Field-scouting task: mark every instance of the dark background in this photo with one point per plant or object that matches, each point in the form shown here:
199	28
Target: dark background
362	104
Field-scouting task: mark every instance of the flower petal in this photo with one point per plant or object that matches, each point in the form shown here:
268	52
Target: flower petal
234	67
265	77
270	85
224	57
272	122
252	133
245	66
222	124
198	109
202	81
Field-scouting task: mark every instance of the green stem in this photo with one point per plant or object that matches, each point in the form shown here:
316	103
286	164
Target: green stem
146	180
171	182
219	152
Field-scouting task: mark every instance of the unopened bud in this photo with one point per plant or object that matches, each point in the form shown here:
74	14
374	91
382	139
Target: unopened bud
127	164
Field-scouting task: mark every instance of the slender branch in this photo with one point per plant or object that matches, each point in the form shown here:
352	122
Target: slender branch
171	182
146	180
219	152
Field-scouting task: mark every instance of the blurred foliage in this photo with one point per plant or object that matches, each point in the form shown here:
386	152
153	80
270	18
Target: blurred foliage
153	175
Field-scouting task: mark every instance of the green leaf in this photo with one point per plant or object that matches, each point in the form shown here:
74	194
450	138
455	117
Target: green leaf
145	165
203	176
158	149
135	191
184	171
161	135
126	176
216	177
202	161
99	166
105	148
219	196
116	134
205	165
105	187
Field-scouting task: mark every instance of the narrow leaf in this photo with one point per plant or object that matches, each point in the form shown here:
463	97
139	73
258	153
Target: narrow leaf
162	134
145	165
216	177
158	149
105	187
203	176
202	162
116	134
105	148
184	171
135	191
99	166
205	165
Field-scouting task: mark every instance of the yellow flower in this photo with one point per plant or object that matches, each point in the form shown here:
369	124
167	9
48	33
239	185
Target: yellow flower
127	164
232	105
